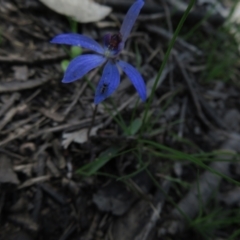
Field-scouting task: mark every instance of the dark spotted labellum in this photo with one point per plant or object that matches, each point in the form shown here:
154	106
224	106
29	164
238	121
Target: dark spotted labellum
114	42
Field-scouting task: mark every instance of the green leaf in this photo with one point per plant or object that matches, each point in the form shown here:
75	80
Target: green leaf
166	56
135	126
92	167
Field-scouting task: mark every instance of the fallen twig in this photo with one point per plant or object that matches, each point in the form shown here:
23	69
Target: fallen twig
18	86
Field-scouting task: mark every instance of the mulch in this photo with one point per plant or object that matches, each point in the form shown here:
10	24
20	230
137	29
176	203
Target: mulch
43	122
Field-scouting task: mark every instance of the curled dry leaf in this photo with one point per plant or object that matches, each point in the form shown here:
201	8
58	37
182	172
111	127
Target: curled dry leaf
83	11
79	136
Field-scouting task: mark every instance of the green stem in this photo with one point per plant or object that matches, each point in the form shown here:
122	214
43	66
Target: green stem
171	44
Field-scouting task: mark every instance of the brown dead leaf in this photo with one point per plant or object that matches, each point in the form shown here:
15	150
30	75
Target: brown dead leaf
83	11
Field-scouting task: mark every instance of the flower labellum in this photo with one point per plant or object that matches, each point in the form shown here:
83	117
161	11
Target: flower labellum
108	55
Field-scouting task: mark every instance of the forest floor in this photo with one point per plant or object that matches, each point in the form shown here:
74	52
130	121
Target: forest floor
165	169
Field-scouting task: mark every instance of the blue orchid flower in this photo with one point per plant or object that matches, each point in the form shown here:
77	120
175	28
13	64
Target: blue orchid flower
108	55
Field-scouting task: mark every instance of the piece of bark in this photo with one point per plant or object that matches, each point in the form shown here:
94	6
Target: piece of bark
115	197
7	175
24	221
139	223
129	226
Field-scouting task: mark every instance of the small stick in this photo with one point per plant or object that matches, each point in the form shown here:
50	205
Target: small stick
92	122
182	117
193	94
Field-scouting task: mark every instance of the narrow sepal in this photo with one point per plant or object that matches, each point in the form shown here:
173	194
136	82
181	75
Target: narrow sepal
81	65
130	19
135	77
78	40
108	83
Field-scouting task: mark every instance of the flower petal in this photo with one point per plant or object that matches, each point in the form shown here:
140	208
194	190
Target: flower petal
130	19
135	78
78	40
81	65
108	83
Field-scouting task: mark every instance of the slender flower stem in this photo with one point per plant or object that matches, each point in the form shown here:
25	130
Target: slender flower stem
92	122
171	44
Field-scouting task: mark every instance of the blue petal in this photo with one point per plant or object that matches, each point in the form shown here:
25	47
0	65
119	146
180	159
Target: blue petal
81	65
108	83
135	78
78	40
130	18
